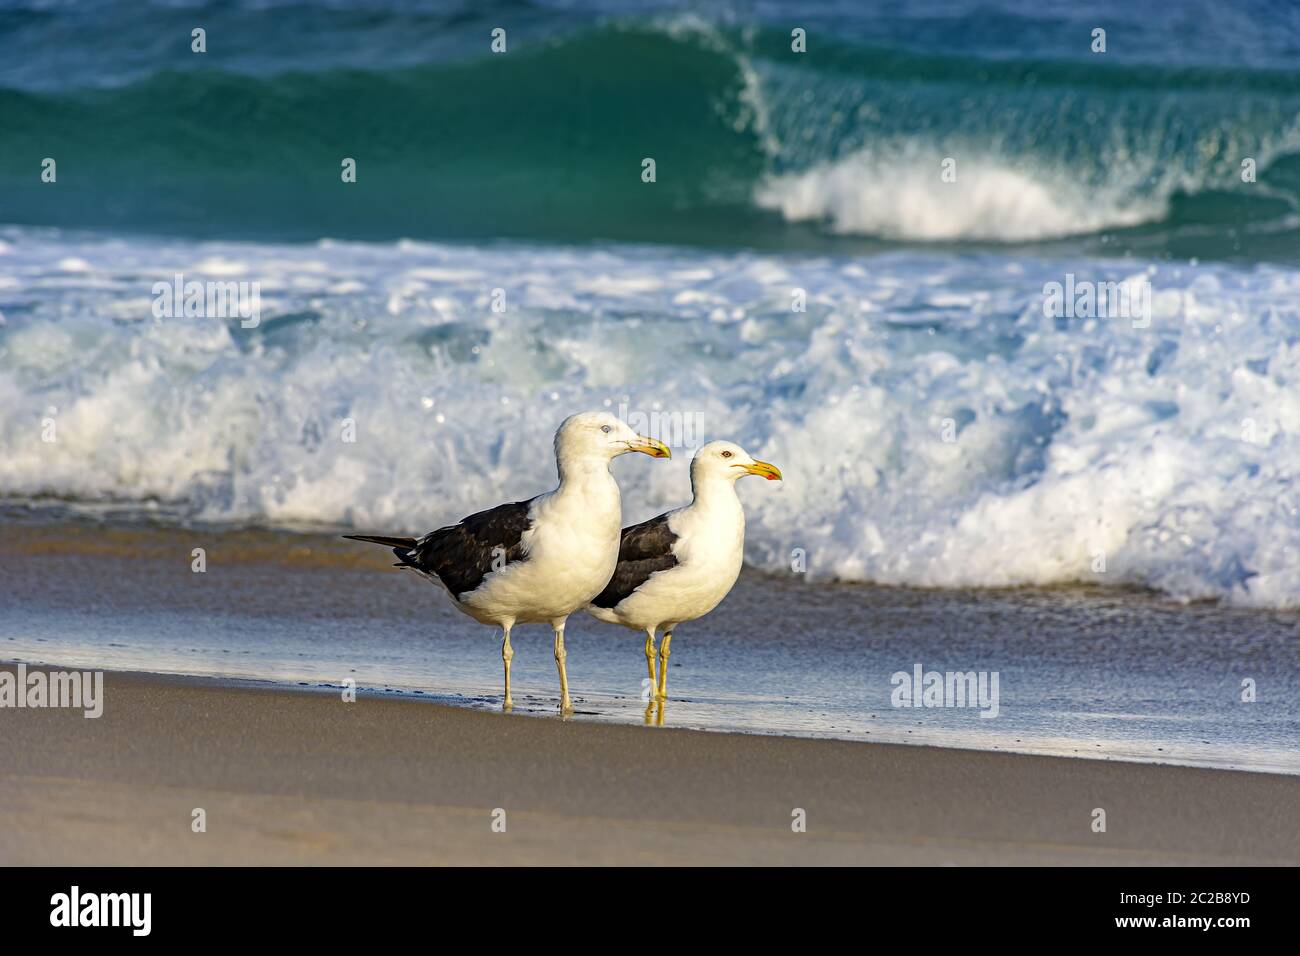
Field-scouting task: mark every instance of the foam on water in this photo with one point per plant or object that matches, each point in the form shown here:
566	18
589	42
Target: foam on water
1168	452
901	195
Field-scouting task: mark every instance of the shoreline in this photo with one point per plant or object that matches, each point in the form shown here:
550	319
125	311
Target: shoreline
288	777
1083	672
537	708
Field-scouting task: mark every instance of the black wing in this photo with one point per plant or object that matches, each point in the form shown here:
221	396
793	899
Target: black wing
464	554
645	548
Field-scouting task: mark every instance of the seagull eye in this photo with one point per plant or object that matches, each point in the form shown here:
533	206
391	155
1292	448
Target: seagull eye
605	429
726	454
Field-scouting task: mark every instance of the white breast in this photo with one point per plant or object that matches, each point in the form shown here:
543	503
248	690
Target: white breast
710	550
572	550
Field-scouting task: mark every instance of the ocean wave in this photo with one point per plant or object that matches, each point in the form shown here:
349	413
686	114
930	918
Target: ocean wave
753	145
935	427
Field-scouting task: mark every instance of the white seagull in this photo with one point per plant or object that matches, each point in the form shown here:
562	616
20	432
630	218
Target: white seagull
536	561
679	566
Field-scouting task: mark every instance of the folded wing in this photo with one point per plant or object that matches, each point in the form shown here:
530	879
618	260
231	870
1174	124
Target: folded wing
644	549
462	555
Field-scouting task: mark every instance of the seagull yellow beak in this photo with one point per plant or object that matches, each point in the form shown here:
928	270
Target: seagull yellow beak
764	470
649	446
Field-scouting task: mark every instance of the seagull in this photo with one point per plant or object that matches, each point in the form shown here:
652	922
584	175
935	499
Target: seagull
536	561
678	566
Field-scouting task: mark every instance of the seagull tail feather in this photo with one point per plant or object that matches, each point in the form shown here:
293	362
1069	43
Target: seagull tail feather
404	543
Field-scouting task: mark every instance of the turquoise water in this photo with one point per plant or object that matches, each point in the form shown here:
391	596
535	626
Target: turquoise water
1137	150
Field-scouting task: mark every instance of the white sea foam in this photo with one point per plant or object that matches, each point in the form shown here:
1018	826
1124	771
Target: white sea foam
1170	453
901	195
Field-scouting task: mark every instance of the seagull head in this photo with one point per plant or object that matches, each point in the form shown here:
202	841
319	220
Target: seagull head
601	435
728	461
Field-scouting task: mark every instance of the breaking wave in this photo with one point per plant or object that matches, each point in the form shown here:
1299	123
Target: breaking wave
753	145
935	427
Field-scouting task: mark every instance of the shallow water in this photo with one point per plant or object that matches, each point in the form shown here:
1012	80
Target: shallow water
1084	672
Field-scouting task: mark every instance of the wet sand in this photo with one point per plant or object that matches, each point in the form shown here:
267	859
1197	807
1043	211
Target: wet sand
301	777
1104	673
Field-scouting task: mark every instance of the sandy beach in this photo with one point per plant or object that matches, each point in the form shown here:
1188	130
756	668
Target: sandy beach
300	777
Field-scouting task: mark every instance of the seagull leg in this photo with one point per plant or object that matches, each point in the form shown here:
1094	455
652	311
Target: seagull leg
650	656
650	652
650	666
566	706
507	654
662	692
